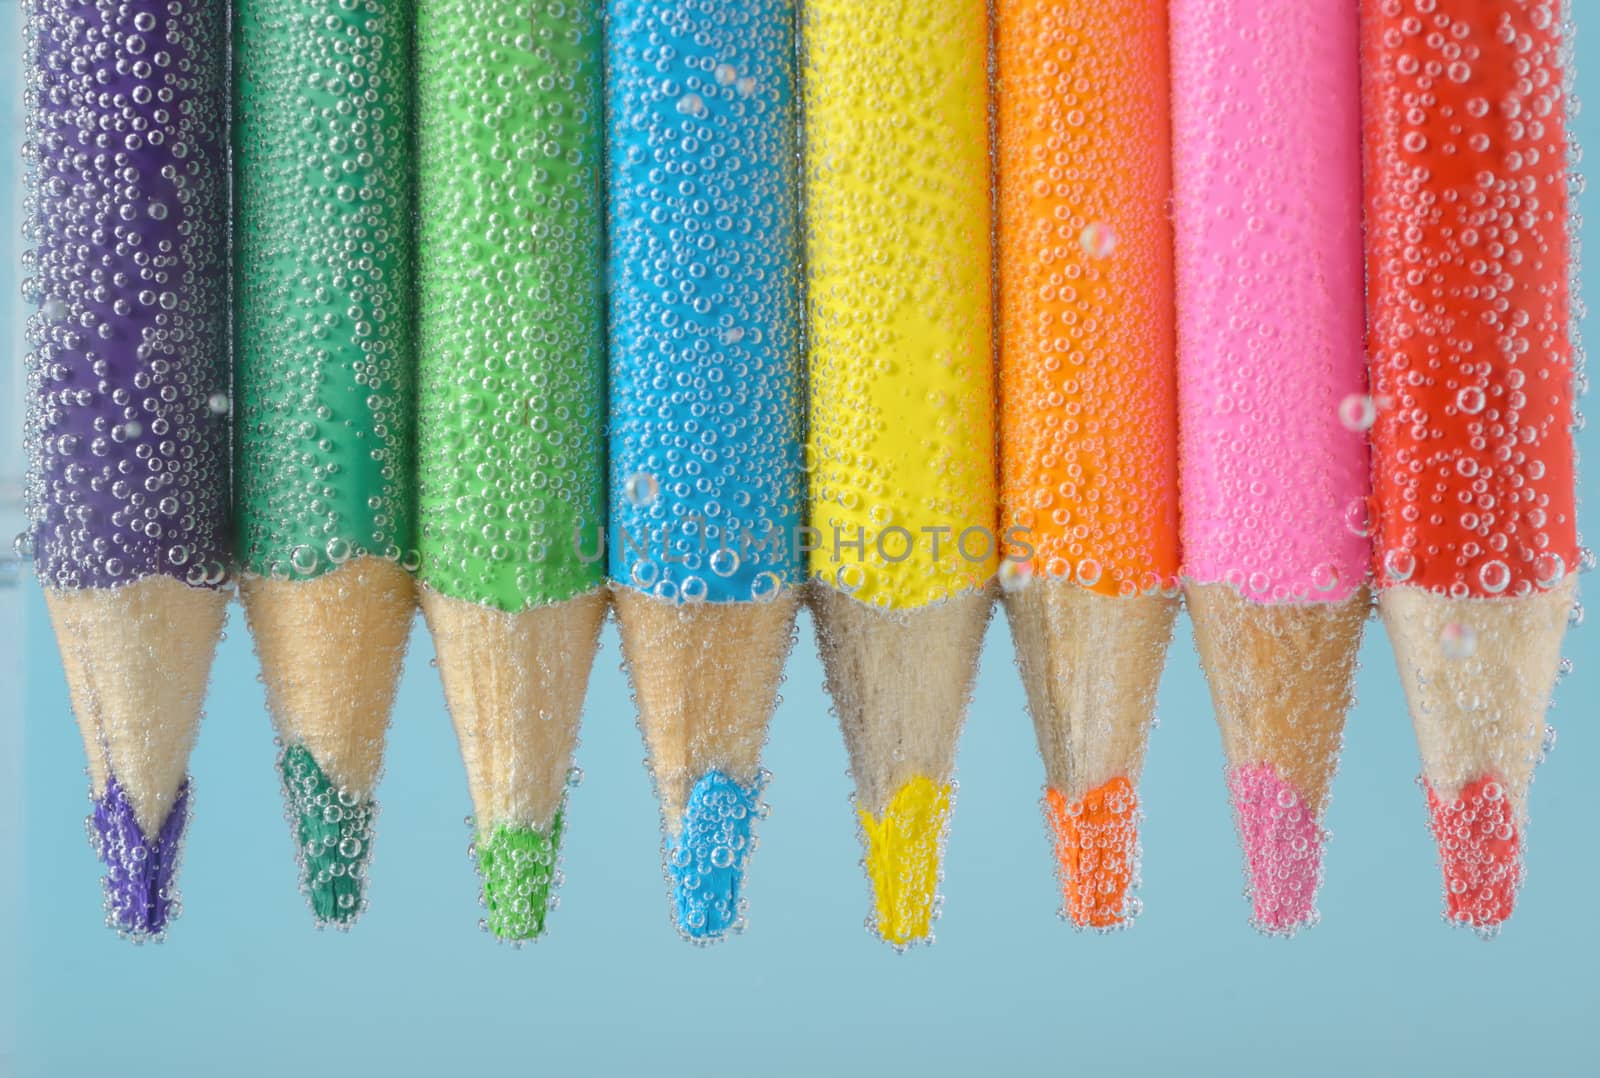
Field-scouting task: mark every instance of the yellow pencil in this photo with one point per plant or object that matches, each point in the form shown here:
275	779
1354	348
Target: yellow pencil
901	446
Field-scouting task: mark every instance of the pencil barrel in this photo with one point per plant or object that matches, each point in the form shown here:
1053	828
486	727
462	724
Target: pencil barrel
126	218
511	375
323	179
324	367
706	378
1267	212
1088	423
902	483
127	425
900	453
1469	264
706	410
1087	385
1272	408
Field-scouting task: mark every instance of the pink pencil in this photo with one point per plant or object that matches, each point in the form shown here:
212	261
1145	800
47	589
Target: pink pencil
1272	408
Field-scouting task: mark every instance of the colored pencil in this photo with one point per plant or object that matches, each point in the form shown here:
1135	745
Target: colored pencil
323	367
1273	462
902	480
1469	257
1088	426
706	424
127	427
511	412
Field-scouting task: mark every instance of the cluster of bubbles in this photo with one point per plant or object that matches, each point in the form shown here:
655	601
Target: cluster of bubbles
1097	853
1480	852
706	372
520	869
334	829
706	861
511	365
1085	316
1471	303
897	165
1267	210
126	219
323	250
904	860
1283	842
140	884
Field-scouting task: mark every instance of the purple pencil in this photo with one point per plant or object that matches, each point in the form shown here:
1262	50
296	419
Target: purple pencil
127	431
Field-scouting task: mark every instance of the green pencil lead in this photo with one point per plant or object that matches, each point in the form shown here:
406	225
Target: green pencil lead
518	866
334	831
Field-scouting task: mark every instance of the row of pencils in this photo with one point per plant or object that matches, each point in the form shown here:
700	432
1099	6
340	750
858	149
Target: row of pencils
523	310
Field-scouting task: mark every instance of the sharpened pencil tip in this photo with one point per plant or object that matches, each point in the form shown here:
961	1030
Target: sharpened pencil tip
518	866
1480	852
140	872
707	859
1096	850
333	828
1283	847
903	851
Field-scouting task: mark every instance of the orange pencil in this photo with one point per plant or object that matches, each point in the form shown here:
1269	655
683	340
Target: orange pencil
1088	412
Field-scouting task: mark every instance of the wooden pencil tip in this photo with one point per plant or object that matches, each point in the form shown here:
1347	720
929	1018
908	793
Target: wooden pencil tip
515	685
1282	680
137	659
705	677
1478	674
331	649
901	682
1091	665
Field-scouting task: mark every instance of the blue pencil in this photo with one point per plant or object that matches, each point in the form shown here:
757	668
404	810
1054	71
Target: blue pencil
706	413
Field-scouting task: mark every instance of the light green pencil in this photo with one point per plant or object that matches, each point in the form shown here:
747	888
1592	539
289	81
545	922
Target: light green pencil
324	380
511	411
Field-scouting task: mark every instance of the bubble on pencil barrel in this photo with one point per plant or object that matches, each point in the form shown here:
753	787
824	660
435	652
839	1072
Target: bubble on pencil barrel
1098	239
1015	575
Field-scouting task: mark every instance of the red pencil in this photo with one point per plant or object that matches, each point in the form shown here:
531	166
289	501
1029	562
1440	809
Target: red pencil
1468	266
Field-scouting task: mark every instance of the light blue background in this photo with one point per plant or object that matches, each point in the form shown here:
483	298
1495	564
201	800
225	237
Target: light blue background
245	986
